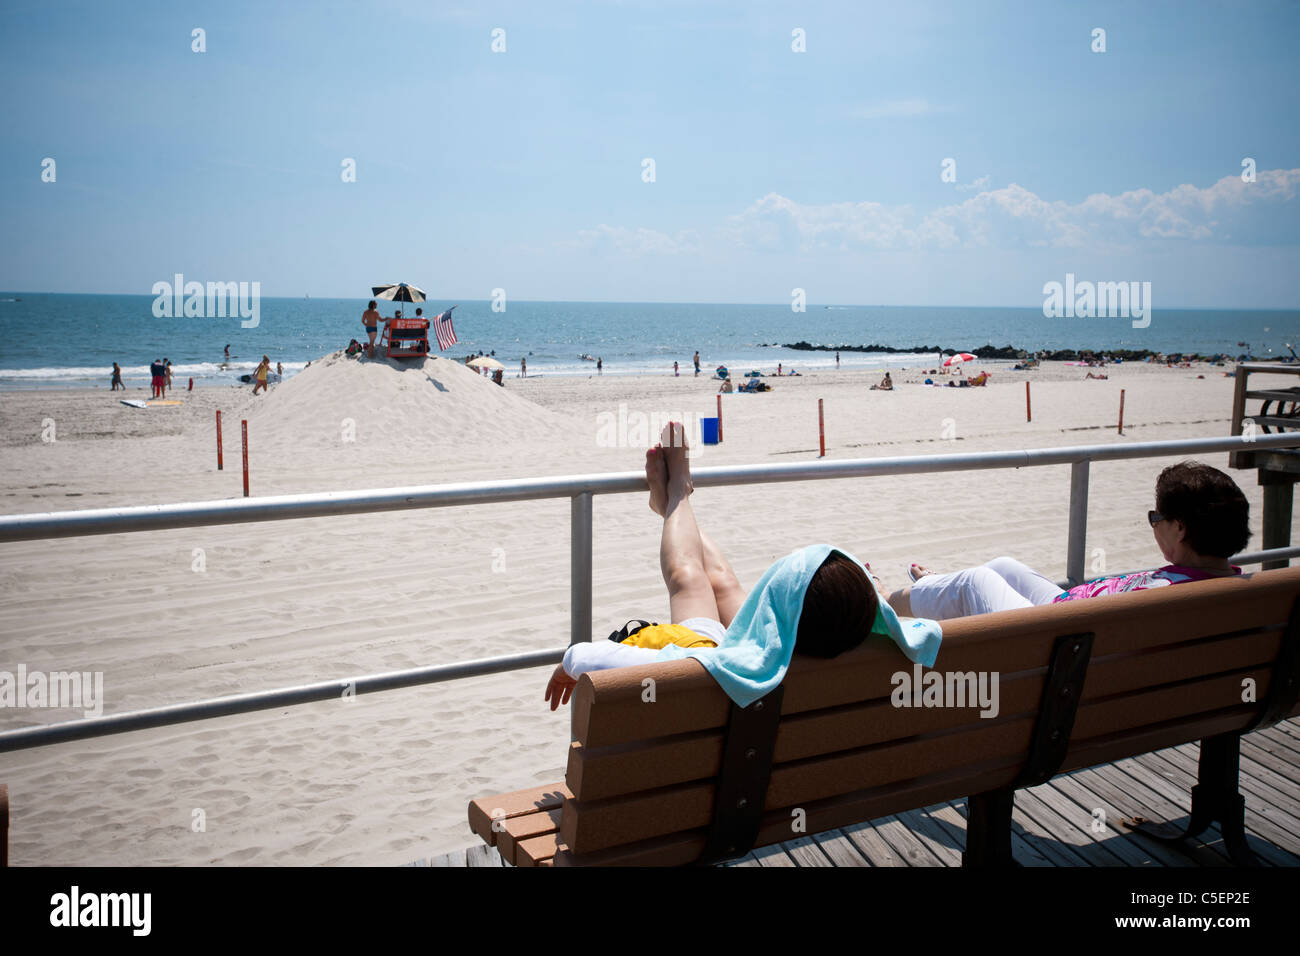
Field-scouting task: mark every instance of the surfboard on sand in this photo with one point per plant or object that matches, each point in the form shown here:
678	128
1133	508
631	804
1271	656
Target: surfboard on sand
134	403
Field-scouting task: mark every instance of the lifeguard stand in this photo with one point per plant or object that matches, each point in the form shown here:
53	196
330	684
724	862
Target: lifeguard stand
407	338
1278	468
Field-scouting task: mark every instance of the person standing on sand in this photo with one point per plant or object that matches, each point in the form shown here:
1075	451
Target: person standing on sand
167	369
837	359
370	321
279	369
675	372
600	364
697	362
523	368
117	378
156	373
262	370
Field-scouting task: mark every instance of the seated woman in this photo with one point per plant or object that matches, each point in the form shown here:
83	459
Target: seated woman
1201	520
816	601
886	384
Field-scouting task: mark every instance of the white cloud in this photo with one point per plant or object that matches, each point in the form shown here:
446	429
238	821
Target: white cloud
1230	211
981	183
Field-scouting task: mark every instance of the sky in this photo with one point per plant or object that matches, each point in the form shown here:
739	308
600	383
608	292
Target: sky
793	146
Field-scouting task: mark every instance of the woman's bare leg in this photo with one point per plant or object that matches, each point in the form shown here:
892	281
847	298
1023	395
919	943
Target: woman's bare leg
681	551
727	592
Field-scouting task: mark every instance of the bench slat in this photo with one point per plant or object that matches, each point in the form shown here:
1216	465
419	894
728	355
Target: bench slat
514	804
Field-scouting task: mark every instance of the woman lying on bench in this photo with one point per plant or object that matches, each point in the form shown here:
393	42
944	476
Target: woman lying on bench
820	609
1201	520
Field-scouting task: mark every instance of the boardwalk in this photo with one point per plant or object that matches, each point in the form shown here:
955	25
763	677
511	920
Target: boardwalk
1071	821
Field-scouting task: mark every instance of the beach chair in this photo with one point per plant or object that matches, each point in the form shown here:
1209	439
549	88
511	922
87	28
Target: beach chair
406	338
690	778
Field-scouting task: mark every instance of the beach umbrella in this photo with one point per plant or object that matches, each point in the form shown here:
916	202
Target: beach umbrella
397	292
484	361
958	358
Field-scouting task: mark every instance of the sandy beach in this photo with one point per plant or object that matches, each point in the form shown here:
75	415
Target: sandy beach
197	613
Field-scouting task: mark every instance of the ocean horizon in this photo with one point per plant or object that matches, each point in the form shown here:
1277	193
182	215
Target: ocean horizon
88	332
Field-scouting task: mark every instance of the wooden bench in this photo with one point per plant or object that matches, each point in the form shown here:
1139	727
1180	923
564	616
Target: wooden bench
689	778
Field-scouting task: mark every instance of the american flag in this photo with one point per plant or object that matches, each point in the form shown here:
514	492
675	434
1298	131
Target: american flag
443	330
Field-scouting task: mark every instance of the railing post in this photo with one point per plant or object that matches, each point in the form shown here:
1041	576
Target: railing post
1078	522
580	568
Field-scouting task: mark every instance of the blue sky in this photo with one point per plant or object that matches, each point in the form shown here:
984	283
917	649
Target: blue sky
523	169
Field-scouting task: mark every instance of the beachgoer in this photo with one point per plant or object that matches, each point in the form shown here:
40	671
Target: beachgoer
167	375
523	368
370	320
697	362
600	364
838	608
675	372
726	385
1201	520
263	370
886	384
227	350
279	369
778	368
837	359
157	374
117	378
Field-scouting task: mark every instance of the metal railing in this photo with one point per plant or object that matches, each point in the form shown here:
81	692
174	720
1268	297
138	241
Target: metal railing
580	489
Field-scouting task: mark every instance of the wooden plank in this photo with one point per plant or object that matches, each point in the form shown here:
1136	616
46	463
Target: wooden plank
1279	742
935	838
484	810
953	815
1269	804
1177	783
806	851
536	851
1091	799
482	855
872	846
773	856
906	843
1273	757
1041	839
456	858
839	849
1071	824
518	830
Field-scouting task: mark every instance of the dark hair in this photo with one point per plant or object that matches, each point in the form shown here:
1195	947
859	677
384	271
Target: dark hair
839	608
372	303
1210	505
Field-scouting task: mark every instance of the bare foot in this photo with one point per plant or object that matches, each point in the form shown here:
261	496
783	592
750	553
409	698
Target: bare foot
672	445
917	572
656	473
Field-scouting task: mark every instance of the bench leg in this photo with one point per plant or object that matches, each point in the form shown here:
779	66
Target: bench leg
1215	797
988	829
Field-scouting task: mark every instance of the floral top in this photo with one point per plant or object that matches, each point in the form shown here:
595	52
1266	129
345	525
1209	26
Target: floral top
1160	577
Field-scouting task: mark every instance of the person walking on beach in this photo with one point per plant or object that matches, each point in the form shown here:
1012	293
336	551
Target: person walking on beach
117	378
600	364
675	372
370	321
837	359
523	368
167	372
262	370
697	362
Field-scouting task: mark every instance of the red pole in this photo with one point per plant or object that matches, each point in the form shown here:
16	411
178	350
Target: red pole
821	429
1028	416
719	418
244	427
1121	411
218	439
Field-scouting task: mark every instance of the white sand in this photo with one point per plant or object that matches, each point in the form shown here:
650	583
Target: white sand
386	778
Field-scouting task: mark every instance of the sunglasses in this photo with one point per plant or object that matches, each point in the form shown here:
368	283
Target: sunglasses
1155	517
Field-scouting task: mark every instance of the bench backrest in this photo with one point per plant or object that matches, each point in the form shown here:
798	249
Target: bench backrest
1167	666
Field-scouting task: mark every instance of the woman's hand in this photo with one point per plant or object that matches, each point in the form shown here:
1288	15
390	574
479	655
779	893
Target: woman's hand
560	687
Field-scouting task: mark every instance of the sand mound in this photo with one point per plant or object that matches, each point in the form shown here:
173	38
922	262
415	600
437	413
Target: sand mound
405	410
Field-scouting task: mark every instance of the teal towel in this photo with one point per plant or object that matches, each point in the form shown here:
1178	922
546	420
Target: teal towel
755	654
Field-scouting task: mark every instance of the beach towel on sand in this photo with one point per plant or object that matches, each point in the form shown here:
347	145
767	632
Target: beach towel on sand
753	658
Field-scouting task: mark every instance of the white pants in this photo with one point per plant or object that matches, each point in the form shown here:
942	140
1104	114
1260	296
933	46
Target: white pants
1003	584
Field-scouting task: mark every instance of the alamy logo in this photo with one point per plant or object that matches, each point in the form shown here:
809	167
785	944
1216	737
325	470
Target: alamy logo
75	908
57	689
215	301
634	429
1084	300
951	689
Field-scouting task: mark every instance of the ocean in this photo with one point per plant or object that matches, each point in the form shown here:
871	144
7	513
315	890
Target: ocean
53	340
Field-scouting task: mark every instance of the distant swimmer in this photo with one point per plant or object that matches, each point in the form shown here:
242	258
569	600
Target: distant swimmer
227	350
